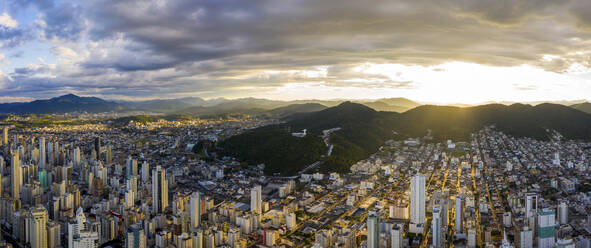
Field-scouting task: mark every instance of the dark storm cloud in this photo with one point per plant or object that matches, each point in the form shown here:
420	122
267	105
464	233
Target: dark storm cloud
138	46
13	37
63	21
322	32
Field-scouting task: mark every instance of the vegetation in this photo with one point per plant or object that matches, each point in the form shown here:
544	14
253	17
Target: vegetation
63	104
364	130
276	148
585	107
38	121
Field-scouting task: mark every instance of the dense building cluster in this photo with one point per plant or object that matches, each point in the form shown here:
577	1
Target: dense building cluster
144	186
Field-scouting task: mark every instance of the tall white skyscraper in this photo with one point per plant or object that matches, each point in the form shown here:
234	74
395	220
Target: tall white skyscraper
417	199
159	190
373	230
195	210
436	228
256	199
42	152
16	175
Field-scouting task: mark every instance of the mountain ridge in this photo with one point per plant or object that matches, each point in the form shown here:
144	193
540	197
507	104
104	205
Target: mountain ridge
364	130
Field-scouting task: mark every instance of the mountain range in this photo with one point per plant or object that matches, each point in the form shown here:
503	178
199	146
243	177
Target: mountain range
190	105
364	130
69	103
198	106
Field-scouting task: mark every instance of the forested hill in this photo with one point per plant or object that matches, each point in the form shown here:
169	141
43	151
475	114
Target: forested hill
364	130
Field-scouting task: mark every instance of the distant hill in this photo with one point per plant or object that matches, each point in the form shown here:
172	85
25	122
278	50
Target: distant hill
517	120
166	105
364	130
391	104
585	107
63	104
292	109
193	105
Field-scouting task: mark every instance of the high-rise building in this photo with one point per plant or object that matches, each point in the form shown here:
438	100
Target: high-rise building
132	186
197	238
130	167
135	237
531	208
396	236
505	243
531	204
86	239
436	228
471	238
417	199
256	201
546	223
159	190
16	175
36	224
459	214
195	210
42	154
563	213
109	154
525	238
97	147
76	227
5	136
76	156
145	171
373	231
53	235
290	221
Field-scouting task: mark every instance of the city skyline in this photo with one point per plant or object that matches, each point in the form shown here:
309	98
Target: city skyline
443	52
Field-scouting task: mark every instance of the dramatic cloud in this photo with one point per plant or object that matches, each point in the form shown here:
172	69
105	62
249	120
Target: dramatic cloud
164	48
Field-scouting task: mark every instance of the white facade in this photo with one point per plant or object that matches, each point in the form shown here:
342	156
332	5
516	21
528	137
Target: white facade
195	209
526	238
563	213
436	228
256	201
373	232
417	199
396	237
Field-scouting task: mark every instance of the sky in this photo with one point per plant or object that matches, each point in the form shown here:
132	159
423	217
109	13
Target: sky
437	51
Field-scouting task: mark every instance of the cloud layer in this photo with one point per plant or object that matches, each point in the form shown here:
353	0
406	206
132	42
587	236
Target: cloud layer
165	48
